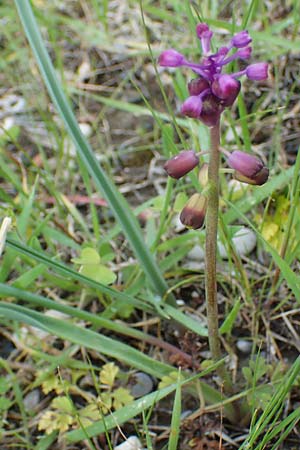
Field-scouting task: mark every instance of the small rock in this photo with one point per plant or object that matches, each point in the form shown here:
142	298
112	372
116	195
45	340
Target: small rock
31	400
132	443
143	384
244	346
244	242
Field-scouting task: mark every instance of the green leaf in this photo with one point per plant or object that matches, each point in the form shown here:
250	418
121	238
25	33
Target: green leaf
228	323
117	202
63	404
88	256
122	397
108	374
99	273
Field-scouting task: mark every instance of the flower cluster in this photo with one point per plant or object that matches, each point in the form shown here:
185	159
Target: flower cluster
212	91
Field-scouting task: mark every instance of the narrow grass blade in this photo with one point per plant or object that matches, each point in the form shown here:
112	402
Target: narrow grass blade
85	337
116	201
175	423
68	272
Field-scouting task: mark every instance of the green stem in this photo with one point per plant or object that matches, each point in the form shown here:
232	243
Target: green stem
211	255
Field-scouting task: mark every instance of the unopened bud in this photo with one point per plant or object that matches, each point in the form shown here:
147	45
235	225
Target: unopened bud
193	214
257	71
241	39
226	88
181	164
260	178
197	85
171	58
192	107
248	165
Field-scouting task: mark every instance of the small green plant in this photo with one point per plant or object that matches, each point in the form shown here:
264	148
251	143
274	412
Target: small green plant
91	266
62	413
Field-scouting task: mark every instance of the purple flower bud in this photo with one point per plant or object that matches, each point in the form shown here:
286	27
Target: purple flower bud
181	164
197	85
205	35
244	53
193	214
211	110
226	88
249	167
260	178
192	106
241	39
171	58
257	71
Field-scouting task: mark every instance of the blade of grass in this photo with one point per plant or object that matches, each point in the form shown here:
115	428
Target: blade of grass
175	423
116	201
85	337
68	272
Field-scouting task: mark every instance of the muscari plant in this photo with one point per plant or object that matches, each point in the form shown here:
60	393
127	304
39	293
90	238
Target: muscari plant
211	92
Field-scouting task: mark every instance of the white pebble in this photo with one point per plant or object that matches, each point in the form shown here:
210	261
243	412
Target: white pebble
132	443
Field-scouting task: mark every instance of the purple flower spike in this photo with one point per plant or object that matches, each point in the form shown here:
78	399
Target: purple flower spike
226	88
248	168
171	58
205	35
181	164
192	106
193	214
212	90
241	39
258	71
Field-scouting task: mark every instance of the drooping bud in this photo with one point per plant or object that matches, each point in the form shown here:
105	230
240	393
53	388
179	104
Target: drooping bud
193	214
226	88
171	58
192	106
241	39
205	35
260	178
197	86
248	168
257	71
203	175
181	164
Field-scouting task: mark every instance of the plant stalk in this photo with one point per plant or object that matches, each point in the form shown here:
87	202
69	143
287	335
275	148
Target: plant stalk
211	255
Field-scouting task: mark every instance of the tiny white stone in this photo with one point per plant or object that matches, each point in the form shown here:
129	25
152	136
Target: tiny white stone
178	226
197	253
85	129
244	346
244	241
132	443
